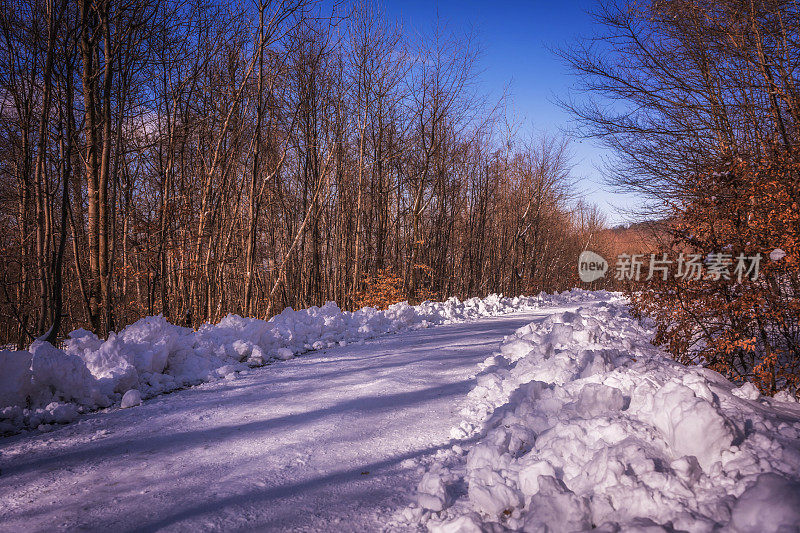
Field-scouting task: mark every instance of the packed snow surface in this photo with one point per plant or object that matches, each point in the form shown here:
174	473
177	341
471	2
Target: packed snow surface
579	423
576	423
43	385
334	440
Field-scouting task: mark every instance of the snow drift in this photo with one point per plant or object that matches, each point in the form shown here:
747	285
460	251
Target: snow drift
47	385
579	423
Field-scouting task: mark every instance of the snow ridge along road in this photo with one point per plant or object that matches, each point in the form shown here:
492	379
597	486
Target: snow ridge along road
45	385
330	441
579	423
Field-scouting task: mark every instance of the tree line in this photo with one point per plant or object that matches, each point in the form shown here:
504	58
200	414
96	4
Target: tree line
199	158
700	102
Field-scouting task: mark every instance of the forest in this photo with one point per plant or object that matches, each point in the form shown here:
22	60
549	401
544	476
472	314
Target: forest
700	102
194	159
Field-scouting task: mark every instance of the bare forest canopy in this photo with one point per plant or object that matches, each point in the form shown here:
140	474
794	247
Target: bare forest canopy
202	158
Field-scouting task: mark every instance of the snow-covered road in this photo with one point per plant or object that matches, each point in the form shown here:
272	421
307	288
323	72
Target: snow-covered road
322	442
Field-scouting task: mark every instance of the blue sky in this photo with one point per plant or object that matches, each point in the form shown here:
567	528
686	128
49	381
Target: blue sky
514	37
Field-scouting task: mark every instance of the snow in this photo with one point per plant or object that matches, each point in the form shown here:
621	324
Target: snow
63	372
578	422
333	440
777	254
132	398
558	414
770	505
431	492
15	377
154	356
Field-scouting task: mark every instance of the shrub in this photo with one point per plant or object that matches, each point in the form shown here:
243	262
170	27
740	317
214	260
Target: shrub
746	329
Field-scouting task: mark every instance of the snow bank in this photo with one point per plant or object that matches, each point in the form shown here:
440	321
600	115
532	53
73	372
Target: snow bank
580	423
153	356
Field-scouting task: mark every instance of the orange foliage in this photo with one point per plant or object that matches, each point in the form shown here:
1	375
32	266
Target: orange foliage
747	330
382	290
